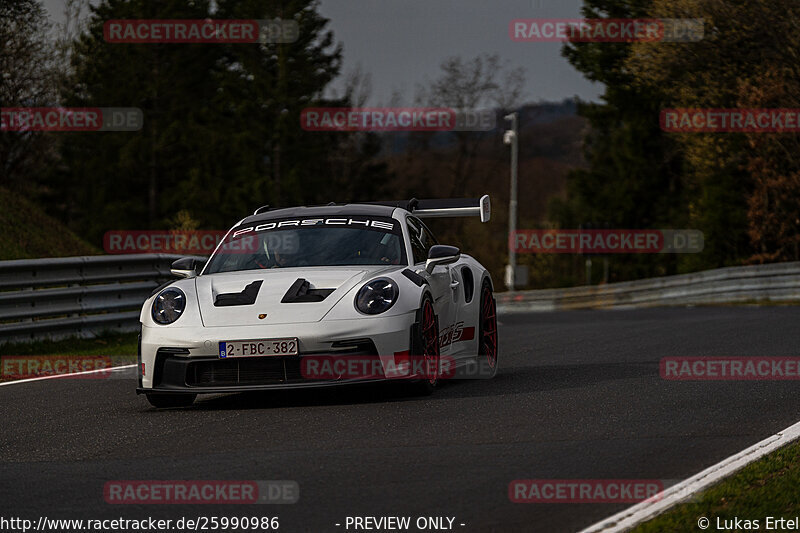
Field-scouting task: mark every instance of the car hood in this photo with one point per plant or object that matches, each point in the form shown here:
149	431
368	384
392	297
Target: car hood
275	283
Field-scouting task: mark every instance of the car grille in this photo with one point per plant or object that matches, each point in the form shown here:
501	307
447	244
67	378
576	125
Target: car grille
256	371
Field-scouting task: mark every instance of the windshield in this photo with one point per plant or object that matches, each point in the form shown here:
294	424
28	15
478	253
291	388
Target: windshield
287	243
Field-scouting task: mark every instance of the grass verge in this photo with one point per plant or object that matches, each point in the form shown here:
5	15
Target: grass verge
767	488
119	348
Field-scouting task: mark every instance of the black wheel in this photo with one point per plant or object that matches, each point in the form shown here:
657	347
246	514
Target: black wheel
426	348
487	338
171	400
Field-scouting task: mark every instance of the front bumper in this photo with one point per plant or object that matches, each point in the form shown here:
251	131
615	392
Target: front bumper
176	374
181	360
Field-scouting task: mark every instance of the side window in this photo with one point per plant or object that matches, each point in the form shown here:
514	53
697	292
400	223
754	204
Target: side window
428	239
421	239
415	236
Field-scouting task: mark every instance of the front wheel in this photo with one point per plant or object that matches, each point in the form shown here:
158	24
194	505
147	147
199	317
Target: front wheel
426	347
487	339
170	400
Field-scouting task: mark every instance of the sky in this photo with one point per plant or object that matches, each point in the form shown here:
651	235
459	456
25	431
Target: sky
401	43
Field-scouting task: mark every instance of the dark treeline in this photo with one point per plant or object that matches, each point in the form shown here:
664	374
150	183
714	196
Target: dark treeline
741	189
222	132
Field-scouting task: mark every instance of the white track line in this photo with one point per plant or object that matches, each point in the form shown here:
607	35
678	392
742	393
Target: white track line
646	510
57	376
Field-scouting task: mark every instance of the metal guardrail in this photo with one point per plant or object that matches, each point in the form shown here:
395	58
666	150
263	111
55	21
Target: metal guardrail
76	296
778	282
84	296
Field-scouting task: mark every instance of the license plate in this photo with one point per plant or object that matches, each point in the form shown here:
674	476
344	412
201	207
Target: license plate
258	348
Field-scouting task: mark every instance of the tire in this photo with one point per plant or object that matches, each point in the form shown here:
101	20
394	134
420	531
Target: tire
171	400
487	332
426	346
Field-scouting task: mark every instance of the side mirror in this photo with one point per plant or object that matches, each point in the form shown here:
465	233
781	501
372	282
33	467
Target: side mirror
186	267
441	255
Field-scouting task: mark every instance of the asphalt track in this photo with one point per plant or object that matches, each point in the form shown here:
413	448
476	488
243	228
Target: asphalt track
578	396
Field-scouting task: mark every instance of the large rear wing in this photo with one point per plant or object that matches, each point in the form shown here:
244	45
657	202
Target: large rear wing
449	207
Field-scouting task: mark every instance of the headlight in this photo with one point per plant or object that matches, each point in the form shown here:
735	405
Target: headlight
169	305
377	296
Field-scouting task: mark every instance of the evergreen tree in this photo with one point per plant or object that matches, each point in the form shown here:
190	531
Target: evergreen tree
222	132
633	174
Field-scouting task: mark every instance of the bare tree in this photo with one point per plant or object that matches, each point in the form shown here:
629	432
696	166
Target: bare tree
67	33
483	83
465	85
26	68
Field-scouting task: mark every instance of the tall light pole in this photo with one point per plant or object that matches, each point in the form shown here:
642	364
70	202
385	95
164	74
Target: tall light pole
511	137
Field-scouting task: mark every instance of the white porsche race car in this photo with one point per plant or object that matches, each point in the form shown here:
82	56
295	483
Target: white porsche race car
320	296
